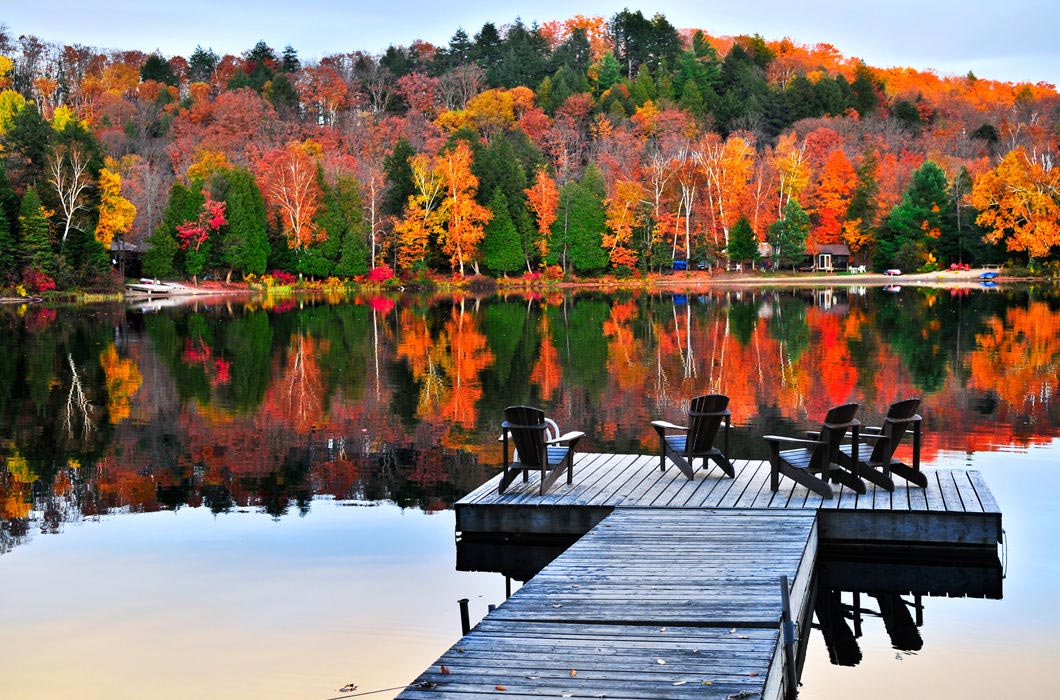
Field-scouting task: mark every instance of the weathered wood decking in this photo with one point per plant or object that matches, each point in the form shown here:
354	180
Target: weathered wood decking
674	591
649	604
955	509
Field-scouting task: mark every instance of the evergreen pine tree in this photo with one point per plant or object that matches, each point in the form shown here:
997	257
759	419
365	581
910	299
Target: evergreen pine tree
37	253
916	223
163	250
788	234
8	251
399	186
743	244
244	245
501	247
353	256
584	219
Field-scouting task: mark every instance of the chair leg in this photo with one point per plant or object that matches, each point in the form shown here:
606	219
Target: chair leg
867	472
679	459
913	476
841	475
801	476
723	462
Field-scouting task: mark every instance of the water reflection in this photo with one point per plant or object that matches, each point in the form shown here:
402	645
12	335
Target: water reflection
263	406
893	589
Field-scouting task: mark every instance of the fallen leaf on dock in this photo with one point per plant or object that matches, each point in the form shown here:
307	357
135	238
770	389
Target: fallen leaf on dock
500	687
573	673
445	670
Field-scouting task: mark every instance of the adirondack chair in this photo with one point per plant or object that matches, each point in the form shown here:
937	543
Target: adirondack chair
875	457
818	453
705	416
528	428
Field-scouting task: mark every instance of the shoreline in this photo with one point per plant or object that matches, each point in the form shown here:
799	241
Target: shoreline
951	279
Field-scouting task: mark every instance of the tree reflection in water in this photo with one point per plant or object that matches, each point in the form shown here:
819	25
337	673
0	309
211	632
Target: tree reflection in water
251	406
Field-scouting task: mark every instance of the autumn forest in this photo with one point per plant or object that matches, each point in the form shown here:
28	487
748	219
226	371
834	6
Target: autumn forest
586	146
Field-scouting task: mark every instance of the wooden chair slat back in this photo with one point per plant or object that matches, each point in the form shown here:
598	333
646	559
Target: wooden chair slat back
899	418
836	424
705	415
527	427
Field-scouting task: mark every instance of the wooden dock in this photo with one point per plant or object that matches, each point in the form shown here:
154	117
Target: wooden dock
673	590
649	604
956	508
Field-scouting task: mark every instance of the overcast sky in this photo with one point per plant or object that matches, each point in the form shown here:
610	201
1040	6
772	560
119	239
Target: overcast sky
1011	41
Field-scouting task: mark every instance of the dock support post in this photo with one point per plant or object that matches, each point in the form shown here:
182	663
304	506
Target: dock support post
465	619
788	631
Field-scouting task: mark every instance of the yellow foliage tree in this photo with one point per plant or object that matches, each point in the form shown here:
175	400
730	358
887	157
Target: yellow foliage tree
116	213
422	219
207	162
6	64
11	103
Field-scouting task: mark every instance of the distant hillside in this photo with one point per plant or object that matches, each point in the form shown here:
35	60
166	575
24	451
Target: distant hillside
580	146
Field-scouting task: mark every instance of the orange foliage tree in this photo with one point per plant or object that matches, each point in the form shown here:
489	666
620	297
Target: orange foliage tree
1019	203
465	219
543	200
836	186
624	214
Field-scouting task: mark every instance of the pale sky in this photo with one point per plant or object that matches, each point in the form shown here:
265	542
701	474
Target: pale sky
1011	41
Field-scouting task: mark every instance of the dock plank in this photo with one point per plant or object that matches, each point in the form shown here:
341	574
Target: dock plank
652	602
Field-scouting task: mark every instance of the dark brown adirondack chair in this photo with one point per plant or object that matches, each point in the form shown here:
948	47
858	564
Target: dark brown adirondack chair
819	453
705	416
526	426
875	456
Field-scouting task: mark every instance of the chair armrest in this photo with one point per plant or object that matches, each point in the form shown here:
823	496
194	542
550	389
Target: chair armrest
798	441
566	437
666	425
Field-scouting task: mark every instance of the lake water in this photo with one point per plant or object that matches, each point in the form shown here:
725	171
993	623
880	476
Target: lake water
251	499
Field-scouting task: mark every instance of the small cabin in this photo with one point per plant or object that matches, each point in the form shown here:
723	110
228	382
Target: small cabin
829	258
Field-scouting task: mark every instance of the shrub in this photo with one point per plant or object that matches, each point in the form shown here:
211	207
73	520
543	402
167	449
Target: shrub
36	281
553	272
380	274
283	278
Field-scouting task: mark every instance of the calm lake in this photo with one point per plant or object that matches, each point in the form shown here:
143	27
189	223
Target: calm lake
252	498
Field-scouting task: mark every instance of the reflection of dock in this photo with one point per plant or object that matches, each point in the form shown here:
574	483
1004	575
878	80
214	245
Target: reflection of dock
675	589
